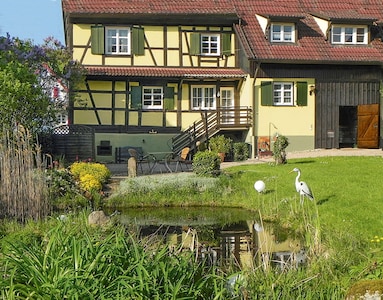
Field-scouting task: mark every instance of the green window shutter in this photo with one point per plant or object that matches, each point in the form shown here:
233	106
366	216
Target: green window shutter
226	44
169	98
195	43
138	41
302	90
136	97
267	93
97	39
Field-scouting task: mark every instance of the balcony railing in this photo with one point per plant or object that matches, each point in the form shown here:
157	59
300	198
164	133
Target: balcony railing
211	122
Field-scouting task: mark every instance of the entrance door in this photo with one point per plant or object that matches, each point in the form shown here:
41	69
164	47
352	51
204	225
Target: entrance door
368	126
227	104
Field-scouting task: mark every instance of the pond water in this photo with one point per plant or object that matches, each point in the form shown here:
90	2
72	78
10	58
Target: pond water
221	235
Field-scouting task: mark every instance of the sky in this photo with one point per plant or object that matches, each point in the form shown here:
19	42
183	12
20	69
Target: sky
32	19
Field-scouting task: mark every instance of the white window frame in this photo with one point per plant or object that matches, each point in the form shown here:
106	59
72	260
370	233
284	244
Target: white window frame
118	43
349	35
152	97
285	36
283	93
203	97
210	44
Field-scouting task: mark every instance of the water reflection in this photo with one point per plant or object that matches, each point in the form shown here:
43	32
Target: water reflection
220	235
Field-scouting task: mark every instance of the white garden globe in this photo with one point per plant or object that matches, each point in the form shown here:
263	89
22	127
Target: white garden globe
259	186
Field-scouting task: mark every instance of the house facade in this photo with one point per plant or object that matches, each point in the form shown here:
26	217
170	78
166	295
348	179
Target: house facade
166	74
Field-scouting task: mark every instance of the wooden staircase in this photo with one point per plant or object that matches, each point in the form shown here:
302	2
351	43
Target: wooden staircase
211	123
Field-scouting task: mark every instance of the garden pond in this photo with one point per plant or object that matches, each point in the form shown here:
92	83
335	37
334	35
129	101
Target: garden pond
221	235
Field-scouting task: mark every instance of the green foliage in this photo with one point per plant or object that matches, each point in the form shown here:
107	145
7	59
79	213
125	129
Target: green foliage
91	176
279	149
28	73
206	163
75	262
220	144
241	151
72	188
164	190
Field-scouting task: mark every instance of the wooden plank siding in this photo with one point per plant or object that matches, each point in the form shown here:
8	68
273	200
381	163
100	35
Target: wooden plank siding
331	95
335	86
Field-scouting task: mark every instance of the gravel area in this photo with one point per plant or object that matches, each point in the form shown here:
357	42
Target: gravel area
121	169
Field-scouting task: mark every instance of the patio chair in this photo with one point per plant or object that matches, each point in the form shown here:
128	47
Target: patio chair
140	158
183	158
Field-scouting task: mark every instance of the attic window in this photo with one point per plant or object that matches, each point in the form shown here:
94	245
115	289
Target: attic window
349	34
283	32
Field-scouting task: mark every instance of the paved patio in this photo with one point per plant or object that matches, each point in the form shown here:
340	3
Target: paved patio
122	169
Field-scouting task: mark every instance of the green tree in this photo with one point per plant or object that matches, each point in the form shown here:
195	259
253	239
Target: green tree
28	74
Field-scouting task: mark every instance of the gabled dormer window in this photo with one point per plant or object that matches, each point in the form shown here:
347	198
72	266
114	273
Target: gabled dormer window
282	32
353	35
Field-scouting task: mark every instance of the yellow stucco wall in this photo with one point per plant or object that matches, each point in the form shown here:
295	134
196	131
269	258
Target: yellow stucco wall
156	38
297	121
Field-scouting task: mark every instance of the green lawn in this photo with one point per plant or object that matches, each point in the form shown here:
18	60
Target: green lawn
348	191
341	229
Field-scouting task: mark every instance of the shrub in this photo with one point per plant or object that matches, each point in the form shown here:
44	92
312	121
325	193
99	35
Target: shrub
89	183
206	163
99	171
220	144
279	150
64	193
241	151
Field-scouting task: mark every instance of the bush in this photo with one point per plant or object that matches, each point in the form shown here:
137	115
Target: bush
64	193
220	144
279	150
241	151
206	163
91	176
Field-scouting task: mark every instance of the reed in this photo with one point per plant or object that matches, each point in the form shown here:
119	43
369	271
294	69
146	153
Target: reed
23	189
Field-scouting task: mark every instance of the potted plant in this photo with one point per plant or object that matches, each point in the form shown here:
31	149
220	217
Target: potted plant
220	144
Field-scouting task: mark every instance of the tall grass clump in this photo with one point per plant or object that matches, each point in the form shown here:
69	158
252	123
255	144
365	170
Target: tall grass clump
77	262
166	190
23	188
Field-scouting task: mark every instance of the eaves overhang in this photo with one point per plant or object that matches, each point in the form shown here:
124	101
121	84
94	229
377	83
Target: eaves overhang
339	19
155	72
226	19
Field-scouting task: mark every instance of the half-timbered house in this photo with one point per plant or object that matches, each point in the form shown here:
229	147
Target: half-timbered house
161	75
165	74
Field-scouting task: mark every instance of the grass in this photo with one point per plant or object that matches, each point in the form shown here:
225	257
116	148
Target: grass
347	191
74	261
342	229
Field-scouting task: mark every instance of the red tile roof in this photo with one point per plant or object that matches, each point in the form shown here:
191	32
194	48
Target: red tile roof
148	7
165	72
311	47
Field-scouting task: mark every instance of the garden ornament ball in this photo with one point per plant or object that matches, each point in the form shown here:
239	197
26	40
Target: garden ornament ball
259	186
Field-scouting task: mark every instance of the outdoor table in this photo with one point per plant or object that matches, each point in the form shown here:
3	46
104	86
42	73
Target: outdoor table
160	157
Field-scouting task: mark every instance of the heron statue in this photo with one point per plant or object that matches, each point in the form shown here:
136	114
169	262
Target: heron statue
302	188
